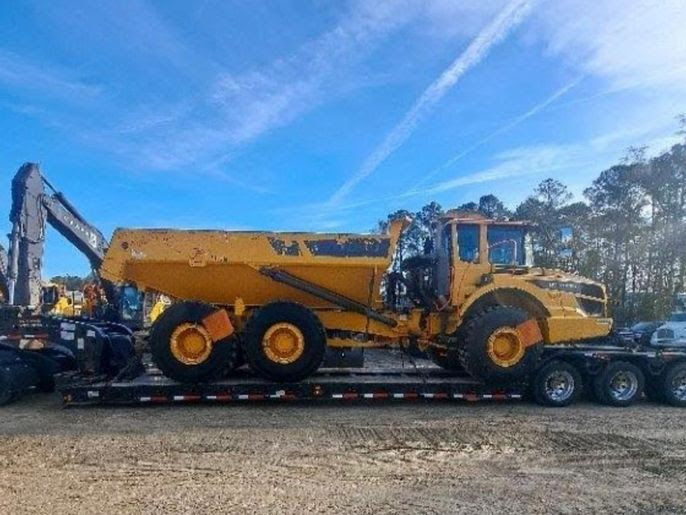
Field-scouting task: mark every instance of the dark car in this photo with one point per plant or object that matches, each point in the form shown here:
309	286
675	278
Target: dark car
642	331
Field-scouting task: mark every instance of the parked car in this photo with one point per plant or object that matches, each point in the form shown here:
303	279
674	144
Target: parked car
672	333
642	332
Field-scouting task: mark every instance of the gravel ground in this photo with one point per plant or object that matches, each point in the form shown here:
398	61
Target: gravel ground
422	457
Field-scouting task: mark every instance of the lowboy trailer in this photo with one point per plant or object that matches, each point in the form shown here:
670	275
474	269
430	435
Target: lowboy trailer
610	374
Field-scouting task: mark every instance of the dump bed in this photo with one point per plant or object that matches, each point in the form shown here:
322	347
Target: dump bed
221	266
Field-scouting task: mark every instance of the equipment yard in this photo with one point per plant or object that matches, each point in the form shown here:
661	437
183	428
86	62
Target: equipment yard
421	457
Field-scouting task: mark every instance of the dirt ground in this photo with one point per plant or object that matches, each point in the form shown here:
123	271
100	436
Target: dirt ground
426	457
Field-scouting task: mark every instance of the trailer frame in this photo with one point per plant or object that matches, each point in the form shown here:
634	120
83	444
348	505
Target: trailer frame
351	384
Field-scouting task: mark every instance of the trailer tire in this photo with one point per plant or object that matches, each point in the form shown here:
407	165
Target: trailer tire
556	384
479	355
620	384
284	342
221	356
674	385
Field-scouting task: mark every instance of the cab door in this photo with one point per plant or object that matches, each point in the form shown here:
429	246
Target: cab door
470	262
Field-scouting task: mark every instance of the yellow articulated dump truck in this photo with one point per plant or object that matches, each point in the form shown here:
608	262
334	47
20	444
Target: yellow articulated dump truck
474	302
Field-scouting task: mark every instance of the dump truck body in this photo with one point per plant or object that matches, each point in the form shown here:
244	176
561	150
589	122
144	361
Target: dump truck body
220	267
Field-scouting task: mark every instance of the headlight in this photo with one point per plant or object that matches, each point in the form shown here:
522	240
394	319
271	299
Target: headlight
594	308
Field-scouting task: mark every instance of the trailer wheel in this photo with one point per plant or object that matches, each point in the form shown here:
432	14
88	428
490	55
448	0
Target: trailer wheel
674	385
183	349
620	384
284	341
502	343
556	384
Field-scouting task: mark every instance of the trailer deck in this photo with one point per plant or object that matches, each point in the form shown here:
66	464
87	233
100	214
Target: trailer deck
387	377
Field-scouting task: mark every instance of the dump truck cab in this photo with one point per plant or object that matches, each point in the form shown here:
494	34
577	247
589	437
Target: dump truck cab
468	246
476	256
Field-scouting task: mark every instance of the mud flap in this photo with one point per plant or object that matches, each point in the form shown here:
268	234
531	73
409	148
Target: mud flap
218	325
530	332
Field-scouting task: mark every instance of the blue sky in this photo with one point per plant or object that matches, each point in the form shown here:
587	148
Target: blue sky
325	115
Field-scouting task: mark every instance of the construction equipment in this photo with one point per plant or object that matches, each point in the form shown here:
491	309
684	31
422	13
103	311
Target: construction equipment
475	302
33	208
498	325
32	337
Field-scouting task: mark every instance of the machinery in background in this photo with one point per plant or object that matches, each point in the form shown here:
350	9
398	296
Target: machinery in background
43	328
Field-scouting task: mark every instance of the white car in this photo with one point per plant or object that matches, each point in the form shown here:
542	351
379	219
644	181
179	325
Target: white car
672	333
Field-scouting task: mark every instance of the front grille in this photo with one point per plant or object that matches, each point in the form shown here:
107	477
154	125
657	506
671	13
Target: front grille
594	308
665	334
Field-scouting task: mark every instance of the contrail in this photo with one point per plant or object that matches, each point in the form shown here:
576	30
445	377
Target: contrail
495	32
519	119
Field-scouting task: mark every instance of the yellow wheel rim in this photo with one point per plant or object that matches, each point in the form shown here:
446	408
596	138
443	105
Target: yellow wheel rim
191	344
283	343
505	347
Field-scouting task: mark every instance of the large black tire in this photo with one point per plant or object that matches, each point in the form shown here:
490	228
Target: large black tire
673	385
283	312
448	359
473	350
556	384
620	384
221	358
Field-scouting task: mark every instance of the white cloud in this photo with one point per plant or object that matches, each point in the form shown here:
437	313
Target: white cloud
502	129
491	35
24	75
636	43
235	109
512	163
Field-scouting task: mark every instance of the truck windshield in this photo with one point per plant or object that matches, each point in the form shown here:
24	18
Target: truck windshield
678	317
507	245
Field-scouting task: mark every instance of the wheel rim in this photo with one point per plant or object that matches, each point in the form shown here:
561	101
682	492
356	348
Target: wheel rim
191	344
559	386
679	386
505	347
623	385
283	343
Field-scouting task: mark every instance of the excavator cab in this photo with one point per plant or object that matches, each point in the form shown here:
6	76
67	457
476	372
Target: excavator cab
130	305
50	295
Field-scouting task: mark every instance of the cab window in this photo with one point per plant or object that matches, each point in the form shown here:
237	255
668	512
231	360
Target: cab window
468	242
505	245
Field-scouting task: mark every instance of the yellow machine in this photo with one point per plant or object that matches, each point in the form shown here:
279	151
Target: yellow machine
58	301
475	301
161	302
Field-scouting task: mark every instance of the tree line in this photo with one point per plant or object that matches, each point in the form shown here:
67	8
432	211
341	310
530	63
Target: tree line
628	231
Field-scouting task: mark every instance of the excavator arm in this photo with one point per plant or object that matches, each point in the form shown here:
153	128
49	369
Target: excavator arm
66	220
32	207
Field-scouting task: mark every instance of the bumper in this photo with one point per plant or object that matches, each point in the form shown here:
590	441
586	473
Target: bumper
565	329
668	342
